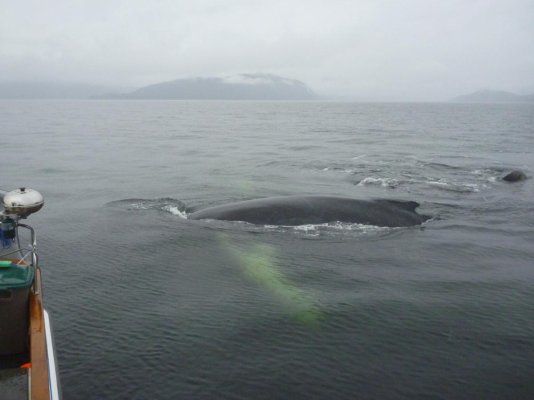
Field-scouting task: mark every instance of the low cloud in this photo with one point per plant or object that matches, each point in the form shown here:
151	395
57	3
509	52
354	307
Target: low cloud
413	50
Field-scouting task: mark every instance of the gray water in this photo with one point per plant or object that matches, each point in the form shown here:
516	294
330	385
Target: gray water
147	304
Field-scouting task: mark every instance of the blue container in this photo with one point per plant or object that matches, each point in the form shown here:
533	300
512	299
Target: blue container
7	233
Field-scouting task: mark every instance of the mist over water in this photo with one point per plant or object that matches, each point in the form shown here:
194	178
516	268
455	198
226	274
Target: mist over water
148	304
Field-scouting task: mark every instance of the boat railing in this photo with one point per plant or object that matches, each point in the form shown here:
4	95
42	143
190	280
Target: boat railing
26	255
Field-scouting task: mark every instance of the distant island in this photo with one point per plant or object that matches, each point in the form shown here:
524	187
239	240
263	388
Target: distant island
237	87
493	96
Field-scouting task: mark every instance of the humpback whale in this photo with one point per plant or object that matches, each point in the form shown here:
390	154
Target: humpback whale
515	176
301	210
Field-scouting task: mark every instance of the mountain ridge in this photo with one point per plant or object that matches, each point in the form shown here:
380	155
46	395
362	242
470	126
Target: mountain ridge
493	96
237	87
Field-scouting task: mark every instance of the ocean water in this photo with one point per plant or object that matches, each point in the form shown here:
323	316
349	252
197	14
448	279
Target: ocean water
147	304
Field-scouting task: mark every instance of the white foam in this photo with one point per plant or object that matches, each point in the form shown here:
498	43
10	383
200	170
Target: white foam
473	186
464	187
484	172
316	229
441	183
344	170
176	211
384	182
305	228
344	226
139	206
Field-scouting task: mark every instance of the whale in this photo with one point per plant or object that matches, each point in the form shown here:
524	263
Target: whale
302	210
515	176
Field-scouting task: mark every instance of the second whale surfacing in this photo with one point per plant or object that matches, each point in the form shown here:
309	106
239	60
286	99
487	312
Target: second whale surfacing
302	210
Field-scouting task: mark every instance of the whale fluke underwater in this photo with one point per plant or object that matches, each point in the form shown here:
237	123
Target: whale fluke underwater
302	210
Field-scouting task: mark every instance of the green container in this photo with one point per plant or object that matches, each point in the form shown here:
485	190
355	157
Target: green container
15	284
16	276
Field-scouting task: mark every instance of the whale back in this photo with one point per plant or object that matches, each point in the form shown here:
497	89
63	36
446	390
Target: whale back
300	210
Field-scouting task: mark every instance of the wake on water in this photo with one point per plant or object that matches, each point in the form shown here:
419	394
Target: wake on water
464	180
365	171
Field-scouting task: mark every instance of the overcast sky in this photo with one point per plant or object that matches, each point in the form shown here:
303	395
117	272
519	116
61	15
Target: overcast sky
364	49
